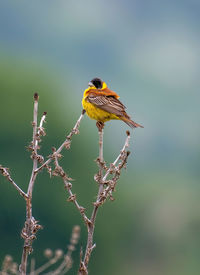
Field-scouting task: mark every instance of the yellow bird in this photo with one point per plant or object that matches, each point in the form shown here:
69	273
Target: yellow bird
102	104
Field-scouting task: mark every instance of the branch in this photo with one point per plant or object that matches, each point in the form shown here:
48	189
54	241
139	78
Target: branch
106	178
66	144
120	156
103	193
90	246
31	226
6	174
72	197
116	170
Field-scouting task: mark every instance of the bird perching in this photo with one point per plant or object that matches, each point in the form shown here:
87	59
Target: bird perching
102	104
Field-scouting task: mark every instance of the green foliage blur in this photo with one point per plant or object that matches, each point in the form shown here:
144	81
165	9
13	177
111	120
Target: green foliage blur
148	52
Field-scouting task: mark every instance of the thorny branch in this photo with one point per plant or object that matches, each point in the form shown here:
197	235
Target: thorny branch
66	144
103	192
5	173
31	226
106	178
66	180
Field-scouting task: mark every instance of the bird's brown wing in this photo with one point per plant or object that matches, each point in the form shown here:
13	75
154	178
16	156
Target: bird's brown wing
109	104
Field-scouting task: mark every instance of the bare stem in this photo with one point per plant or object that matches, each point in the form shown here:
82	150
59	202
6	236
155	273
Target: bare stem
65	144
6	174
105	190
35	144
103	194
101	166
28	232
126	145
90	246
31	226
72	197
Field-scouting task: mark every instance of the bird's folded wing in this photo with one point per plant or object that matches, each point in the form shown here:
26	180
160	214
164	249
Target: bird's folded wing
109	104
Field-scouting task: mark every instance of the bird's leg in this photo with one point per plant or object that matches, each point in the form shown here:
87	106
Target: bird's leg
100	125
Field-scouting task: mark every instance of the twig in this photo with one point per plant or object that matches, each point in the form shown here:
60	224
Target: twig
106	187
126	145
31	226
116	170
90	246
72	197
103	194
66	144
6	174
35	147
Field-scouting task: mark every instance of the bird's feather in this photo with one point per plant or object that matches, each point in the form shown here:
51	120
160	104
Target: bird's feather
109	104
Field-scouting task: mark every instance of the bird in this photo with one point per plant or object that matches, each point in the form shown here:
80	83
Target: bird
102	104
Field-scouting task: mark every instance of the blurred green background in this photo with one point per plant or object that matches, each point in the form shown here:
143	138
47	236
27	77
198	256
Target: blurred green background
148	52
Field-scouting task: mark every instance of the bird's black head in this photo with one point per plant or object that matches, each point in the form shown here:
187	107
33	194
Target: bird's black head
96	82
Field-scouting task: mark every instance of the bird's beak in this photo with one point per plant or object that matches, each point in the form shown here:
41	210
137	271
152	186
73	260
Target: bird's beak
90	84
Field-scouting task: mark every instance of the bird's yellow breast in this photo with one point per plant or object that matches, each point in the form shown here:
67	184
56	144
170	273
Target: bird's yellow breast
96	113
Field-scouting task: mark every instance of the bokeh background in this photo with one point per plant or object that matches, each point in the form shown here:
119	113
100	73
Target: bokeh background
147	51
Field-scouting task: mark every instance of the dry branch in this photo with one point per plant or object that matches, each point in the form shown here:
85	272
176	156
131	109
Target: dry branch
68	185
5	173
31	226
106	187
66	144
103	193
106	178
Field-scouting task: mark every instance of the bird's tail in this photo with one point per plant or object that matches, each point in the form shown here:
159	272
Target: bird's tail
131	123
